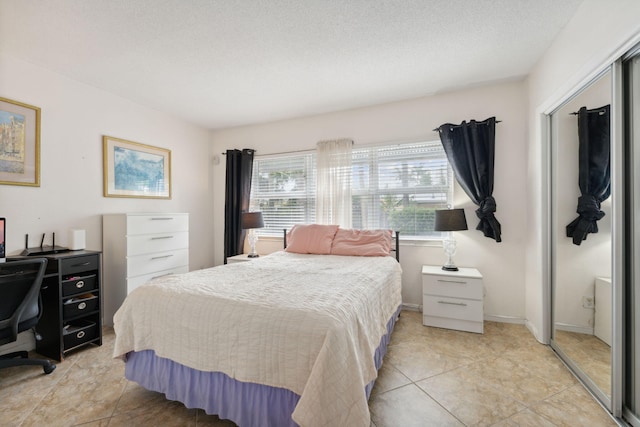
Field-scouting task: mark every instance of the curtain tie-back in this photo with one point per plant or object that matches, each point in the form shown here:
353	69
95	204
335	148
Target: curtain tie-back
487	206
488	224
589	208
590	213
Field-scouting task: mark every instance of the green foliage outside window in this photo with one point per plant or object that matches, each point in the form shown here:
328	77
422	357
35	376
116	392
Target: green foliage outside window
412	220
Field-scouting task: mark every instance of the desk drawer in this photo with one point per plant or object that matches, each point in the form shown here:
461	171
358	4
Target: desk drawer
85	303
79	284
79	264
453	308
79	332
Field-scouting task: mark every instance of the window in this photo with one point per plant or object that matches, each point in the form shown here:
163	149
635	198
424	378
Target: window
394	186
284	188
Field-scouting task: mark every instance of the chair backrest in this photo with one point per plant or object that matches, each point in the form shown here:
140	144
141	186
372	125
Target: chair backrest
19	291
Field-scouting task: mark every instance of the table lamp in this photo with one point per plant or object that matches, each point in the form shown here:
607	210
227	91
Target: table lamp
450	220
251	221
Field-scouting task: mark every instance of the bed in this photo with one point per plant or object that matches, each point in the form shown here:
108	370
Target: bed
292	338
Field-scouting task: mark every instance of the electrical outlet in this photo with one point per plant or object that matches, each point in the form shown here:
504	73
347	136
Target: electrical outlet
588	302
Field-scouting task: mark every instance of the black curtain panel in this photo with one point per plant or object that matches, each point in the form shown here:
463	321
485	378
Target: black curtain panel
470	148
238	191
594	166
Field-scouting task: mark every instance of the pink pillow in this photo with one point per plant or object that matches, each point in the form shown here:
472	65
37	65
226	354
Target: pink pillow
362	242
311	239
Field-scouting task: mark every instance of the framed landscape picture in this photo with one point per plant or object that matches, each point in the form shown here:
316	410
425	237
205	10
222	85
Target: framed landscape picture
19	143
132	169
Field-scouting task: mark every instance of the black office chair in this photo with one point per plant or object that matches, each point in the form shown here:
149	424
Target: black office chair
20	307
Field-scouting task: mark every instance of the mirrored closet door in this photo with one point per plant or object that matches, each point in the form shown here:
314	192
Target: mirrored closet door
581	220
630	298
594	234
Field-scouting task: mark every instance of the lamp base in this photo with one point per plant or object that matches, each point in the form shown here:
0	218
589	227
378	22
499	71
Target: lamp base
256	256
450	268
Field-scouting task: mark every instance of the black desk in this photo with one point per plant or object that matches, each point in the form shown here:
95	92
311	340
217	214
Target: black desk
71	303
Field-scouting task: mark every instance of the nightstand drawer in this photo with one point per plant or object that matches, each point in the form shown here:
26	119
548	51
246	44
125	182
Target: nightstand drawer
238	258
453	308
460	287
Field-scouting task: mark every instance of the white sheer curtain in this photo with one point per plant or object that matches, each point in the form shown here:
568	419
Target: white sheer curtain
333	193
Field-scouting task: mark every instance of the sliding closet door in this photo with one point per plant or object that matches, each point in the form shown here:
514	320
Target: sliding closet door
583	269
610	366
632	291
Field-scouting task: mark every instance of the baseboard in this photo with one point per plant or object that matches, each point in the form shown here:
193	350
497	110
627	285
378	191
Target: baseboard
574	328
504	319
487	317
534	331
412	307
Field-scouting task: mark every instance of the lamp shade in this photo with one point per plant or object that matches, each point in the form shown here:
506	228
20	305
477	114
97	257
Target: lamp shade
450	220
252	220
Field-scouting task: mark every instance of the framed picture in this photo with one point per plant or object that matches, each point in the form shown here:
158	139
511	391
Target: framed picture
132	169
19	143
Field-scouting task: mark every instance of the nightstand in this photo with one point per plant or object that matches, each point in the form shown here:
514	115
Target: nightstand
239	258
452	299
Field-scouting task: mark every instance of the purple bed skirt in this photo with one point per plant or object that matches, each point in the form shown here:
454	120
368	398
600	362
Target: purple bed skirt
246	404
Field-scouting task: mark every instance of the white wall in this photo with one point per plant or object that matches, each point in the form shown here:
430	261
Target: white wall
74	119
502	264
596	36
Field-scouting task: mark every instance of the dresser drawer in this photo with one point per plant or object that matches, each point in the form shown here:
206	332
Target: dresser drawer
150	243
453	308
145	264
460	287
134	282
156	223
79	284
79	305
79	264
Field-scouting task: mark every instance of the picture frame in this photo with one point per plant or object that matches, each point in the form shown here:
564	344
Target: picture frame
19	143
132	169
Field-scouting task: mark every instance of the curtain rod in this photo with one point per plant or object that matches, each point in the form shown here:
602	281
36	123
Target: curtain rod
283	152
575	113
225	153
457	126
310	150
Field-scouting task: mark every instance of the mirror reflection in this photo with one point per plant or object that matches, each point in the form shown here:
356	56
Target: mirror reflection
581	218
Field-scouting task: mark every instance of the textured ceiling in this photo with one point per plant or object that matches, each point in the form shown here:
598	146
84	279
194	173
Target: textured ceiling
222	63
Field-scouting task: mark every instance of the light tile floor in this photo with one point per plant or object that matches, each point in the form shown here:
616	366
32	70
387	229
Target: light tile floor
591	354
430	377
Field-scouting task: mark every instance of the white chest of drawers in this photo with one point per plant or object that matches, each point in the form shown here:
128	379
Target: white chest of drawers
452	299
138	247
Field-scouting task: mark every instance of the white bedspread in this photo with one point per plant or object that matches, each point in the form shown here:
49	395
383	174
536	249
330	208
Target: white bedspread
307	323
